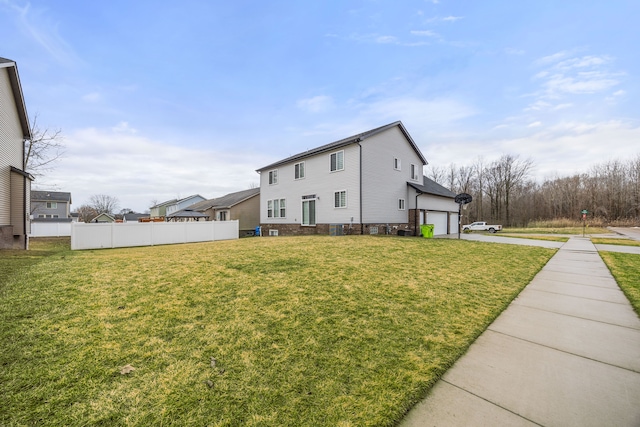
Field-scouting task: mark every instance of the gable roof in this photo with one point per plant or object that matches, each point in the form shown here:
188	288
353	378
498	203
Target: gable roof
431	187
233	199
51	196
348	141
18	97
168	202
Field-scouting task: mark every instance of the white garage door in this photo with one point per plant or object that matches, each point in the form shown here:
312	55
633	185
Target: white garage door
439	220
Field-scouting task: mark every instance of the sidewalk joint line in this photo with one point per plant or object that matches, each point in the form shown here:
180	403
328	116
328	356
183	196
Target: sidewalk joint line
578	317
563	351
492	403
576	296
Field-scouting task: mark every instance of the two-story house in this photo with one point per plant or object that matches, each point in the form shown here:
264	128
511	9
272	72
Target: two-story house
51	205
370	183
15	182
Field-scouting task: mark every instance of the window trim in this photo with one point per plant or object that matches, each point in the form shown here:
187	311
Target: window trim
51	205
336	193
397	164
277	208
414	172
401	204
273	177
297	168
336	153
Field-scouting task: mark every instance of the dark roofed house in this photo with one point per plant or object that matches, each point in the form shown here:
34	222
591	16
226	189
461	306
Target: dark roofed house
51	206
243	206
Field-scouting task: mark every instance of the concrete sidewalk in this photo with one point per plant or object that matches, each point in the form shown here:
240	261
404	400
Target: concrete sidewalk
566	352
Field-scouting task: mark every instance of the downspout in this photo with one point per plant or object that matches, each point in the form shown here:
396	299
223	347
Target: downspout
24	200
418	194
361	225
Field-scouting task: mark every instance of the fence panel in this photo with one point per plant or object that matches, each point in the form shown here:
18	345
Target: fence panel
50	229
118	235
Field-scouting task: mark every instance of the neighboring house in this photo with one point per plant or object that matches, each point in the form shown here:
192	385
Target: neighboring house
364	184
50	205
243	206
15	182
133	217
160	209
103	217
75	217
181	204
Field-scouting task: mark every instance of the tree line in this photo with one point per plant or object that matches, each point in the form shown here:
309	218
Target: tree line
504	191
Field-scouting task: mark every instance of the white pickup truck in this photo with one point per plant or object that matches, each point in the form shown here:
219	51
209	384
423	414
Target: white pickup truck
481	226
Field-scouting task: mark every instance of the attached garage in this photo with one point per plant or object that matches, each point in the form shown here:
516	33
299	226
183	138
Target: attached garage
439	220
434	204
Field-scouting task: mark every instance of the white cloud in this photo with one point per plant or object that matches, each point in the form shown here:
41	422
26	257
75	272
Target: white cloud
136	169
316	104
452	18
425	33
534	124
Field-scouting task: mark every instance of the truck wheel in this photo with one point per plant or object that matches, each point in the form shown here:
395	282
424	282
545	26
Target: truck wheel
492	230
466	230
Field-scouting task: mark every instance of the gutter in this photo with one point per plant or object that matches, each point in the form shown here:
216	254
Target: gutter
360	165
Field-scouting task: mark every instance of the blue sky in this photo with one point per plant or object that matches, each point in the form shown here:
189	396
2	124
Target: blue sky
161	99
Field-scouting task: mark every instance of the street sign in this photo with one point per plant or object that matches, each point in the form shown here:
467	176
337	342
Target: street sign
584	212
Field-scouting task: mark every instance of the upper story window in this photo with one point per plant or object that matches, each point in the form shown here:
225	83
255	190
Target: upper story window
340	199
397	165
273	177
337	161
299	170
52	205
414	172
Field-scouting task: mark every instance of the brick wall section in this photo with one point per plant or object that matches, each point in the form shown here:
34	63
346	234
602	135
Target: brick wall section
324	229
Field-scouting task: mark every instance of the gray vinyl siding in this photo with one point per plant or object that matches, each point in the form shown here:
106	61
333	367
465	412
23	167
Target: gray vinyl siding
382	184
40	208
318	180
10	145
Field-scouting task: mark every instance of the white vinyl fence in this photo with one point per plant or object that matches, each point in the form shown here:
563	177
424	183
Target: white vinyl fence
50	229
120	235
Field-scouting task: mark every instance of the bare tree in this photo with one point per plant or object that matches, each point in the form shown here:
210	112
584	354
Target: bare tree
86	213
43	149
103	203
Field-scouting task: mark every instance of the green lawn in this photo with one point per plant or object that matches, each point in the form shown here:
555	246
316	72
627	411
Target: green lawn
557	230
615	241
305	331
626	270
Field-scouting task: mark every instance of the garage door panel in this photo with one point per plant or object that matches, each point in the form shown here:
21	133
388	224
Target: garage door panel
439	220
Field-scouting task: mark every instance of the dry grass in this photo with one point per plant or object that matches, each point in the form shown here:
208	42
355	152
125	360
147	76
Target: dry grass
558	230
614	241
306	331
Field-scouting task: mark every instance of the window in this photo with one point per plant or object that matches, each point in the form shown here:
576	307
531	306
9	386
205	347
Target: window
276	208
273	232
337	161
414	172
222	216
309	212
396	164
55	216
52	205
273	177
299	167
42	216
340	199
401	204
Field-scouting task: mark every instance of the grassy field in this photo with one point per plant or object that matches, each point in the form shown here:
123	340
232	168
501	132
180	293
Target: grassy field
614	241
557	230
305	331
626	270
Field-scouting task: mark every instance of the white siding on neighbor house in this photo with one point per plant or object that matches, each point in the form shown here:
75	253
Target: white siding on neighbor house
382	184
10	144
182	204
318	180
